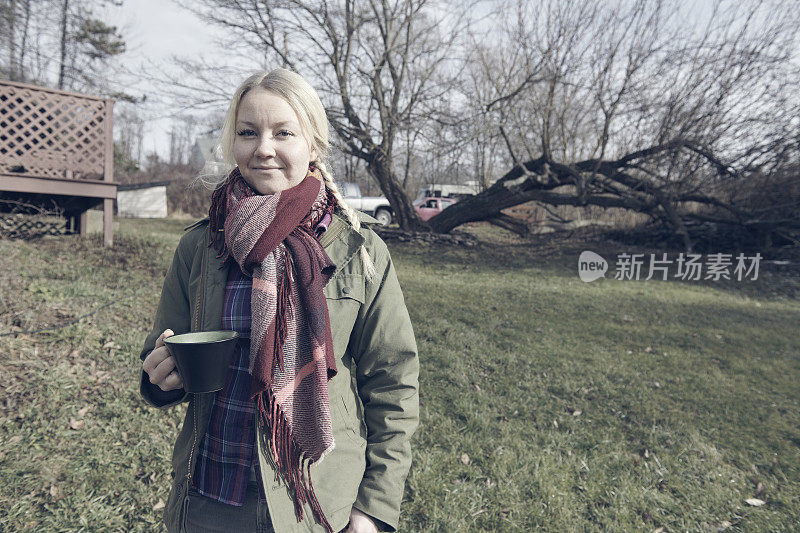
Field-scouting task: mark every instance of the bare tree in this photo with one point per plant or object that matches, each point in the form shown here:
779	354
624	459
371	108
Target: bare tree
129	134
631	105
382	67
18	29
64	25
15	33
181	139
59	43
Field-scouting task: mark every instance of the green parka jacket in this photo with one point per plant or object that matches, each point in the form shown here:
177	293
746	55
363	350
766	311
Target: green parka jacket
374	396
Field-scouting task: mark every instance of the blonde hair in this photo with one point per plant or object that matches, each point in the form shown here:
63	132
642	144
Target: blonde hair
305	102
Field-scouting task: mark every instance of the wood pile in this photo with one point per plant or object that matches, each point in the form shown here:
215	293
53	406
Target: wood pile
396	234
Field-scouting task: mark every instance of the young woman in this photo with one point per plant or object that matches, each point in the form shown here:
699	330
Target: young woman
312	430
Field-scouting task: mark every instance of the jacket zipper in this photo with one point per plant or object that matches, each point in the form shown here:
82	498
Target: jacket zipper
200	289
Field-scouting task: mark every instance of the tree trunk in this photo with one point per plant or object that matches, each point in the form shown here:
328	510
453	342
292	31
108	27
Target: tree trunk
12	52
20	75
483	206
518	226
403	210
674	219
62	64
537	182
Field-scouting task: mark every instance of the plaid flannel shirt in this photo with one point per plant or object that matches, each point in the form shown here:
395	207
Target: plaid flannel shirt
228	449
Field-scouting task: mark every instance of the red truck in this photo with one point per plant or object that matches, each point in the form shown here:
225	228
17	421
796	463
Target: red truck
430	206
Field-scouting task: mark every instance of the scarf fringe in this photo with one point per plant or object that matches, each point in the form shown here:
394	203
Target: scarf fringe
216	216
290	465
284	308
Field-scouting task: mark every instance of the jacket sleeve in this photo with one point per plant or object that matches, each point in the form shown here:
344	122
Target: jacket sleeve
174	313
387	372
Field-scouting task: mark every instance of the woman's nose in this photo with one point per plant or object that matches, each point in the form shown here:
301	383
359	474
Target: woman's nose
265	147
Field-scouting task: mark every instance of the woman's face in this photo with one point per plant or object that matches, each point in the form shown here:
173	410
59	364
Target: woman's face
270	148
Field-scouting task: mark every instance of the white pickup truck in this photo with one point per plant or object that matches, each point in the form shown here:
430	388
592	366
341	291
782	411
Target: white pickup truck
376	206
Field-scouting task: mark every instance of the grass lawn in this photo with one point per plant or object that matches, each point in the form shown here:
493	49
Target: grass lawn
547	403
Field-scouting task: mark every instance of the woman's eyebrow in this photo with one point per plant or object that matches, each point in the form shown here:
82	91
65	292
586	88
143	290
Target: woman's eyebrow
285	123
279	124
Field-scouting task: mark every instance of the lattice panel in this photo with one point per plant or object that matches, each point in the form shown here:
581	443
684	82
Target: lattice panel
48	134
17	226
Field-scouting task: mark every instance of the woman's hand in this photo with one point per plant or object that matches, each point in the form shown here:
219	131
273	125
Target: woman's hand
160	365
360	523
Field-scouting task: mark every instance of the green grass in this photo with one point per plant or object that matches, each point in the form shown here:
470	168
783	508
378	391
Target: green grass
547	403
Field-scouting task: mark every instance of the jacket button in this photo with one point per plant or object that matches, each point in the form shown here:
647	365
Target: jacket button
346	290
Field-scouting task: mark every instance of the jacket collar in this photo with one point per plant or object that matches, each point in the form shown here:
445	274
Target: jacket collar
340	241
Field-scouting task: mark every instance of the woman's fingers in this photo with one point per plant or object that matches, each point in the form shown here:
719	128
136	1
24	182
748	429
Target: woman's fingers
164	335
162	370
172	381
153	359
360	523
160	365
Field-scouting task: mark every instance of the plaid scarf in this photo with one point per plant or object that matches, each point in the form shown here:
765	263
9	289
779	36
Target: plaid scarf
291	348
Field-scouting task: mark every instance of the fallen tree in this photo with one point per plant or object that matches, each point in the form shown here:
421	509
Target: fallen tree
630	106
632	182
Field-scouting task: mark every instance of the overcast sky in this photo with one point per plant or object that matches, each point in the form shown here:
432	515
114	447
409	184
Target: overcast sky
155	31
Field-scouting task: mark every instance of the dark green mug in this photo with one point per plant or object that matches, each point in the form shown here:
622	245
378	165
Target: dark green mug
203	358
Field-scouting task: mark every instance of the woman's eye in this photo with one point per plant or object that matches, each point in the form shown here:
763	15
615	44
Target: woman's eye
285	133
245	133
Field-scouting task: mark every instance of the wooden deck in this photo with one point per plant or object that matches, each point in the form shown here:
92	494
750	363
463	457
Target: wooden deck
57	151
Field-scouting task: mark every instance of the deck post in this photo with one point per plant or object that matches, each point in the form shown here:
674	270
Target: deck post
108	174
83	222
108	222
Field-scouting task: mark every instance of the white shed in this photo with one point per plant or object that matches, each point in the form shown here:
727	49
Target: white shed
142	200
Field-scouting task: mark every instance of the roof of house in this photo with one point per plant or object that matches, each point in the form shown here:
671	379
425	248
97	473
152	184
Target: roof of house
135	186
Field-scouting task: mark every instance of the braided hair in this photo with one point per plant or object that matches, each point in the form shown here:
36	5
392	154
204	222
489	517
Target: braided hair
352	216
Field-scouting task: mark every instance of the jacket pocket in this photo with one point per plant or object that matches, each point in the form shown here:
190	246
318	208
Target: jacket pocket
344	295
338	476
346	286
351	425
